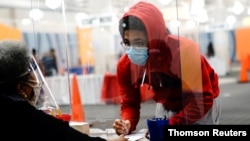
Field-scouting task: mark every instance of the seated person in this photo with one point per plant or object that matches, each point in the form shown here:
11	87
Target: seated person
19	90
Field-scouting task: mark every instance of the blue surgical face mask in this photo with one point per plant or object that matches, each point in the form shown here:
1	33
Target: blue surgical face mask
137	55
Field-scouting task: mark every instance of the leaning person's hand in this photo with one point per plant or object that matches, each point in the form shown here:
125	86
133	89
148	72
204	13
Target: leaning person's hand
121	126
119	138
147	134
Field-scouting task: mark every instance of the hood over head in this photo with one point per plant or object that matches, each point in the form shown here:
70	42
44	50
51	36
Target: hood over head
153	21
157	34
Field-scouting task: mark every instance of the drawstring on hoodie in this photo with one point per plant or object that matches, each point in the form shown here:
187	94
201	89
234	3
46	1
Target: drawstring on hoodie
149	75
143	78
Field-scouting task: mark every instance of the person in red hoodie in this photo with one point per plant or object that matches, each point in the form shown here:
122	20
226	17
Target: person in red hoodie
166	68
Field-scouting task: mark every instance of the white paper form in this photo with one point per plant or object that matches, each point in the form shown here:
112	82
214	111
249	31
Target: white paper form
136	136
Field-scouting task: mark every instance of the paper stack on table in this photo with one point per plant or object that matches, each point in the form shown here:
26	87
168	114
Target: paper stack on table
137	136
110	133
80	126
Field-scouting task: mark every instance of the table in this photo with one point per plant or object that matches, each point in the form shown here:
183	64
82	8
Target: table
110	133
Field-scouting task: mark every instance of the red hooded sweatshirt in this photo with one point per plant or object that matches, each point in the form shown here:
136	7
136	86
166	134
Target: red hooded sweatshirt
180	76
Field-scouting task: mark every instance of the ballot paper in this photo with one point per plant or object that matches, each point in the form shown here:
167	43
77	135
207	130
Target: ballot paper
110	133
135	136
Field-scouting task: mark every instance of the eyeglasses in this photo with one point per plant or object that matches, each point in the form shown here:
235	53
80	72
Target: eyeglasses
137	44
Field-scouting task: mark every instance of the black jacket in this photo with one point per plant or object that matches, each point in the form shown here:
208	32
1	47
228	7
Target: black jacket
20	120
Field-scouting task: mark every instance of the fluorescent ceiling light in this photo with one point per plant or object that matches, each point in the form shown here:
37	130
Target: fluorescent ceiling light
36	14
53	4
164	2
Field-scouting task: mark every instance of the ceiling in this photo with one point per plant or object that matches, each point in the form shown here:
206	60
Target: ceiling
88	5
216	9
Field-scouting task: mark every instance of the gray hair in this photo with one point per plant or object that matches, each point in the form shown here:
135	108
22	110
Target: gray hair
14	60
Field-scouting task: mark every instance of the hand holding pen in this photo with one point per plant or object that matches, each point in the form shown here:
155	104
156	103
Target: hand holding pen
122	127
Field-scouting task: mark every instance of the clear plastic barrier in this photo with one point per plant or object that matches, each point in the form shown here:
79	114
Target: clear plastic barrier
85	56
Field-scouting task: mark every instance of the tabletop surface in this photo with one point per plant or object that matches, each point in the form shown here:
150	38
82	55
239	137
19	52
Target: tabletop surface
110	133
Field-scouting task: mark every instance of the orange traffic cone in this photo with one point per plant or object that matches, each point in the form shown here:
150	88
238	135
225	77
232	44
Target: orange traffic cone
77	109
243	71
